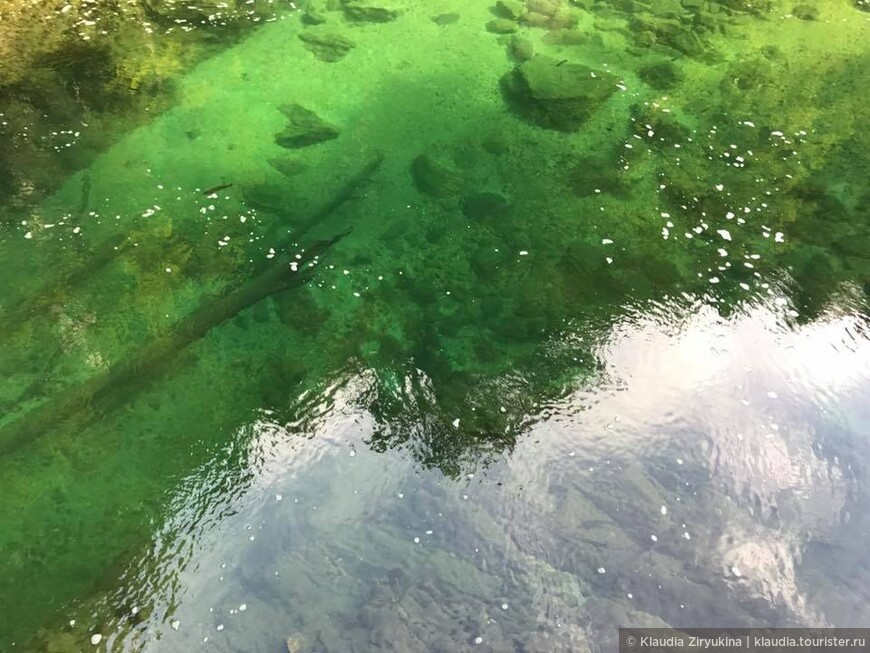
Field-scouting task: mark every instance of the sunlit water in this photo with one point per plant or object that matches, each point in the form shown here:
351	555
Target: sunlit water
527	323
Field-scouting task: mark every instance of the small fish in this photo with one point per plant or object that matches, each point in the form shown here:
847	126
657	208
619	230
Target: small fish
561	62
215	189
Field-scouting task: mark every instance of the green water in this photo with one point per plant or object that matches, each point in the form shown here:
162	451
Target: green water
538	334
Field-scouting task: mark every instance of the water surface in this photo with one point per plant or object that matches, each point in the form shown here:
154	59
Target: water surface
435	326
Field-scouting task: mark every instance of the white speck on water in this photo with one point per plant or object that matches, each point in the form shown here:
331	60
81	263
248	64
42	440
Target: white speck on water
401	495
654	538
736	572
720	187
96	639
724	233
455	423
630	595
169	269
478	640
175	624
352	453
664	510
77	230
243	607
219	627
28	235
428	532
601	570
72	622
504	606
606	241
745	286
608	259
416	540
722	252
523	253
251	538
686	535
679	462
779	237
278	497
714	279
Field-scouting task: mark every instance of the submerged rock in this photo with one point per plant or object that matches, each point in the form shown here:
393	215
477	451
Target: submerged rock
326	47
662	76
435	178
556	95
287	166
501	26
304	127
512	9
369	12
520	49
445	19
485	205
806	12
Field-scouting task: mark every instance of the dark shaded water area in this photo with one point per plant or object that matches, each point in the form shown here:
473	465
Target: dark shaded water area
431	326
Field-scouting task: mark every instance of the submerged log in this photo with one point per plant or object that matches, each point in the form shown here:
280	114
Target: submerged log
119	382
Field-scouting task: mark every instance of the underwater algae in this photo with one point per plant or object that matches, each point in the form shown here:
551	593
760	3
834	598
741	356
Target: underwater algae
491	250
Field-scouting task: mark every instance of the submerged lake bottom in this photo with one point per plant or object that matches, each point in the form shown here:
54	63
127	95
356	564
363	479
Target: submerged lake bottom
366	326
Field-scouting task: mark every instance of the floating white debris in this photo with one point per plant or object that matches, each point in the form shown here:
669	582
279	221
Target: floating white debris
278	497
169	269
416	540
736	572
175	624
28	235
686	535
478	640
504	606
630	595
601	570
720	187
219	627
606	241
664	510
428	532
722	252
456	423
243	607
608	259
523	253
72	622
779	237
96	638
654	538
724	233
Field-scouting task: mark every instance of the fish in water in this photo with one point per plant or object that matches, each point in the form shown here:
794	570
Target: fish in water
445	19
214	189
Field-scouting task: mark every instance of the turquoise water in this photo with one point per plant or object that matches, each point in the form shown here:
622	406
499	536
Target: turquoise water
433	326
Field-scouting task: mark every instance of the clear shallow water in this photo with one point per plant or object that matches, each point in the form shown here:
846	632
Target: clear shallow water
619	368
